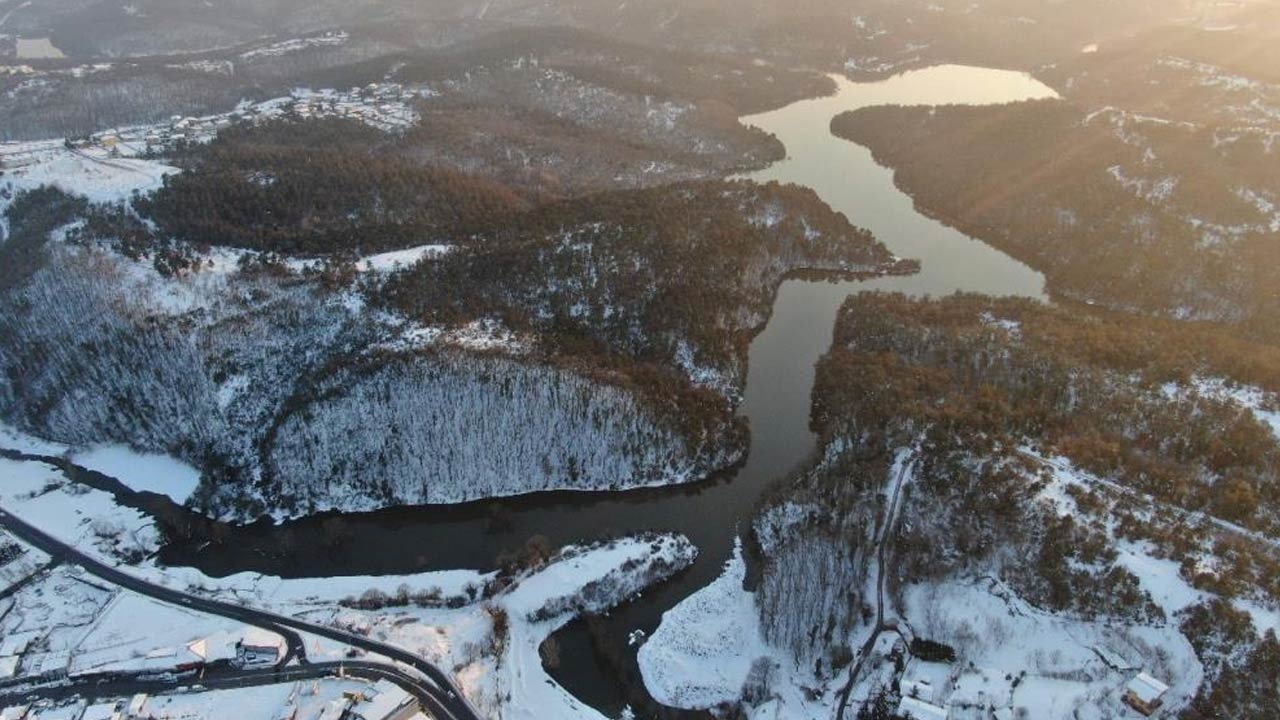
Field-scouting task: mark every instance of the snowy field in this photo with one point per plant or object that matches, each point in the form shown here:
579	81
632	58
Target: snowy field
499	673
142	472
705	648
311	700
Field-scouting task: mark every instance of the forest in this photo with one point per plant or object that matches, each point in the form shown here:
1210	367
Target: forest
617	327
319	187
1147	215
677	277
980	391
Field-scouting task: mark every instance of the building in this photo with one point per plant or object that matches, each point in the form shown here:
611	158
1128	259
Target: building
1145	694
13	712
914	709
102	711
259	647
137	706
386	701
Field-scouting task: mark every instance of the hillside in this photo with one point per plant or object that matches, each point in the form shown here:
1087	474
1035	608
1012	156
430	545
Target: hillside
1151	187
265	370
1133	462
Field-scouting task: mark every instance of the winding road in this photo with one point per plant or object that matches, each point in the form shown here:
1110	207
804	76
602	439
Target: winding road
882	555
438	693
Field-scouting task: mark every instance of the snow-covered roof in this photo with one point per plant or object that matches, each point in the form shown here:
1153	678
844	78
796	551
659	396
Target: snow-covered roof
16	643
387	699
920	710
983	687
1146	688
13	712
916	688
334	710
259	638
199	648
8	667
101	711
138	702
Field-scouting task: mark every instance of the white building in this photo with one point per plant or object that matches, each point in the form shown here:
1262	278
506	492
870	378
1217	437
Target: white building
259	647
102	711
1145	693
385	701
914	709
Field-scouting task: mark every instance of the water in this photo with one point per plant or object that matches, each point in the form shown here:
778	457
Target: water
776	400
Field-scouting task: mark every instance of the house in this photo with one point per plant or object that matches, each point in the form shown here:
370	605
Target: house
1145	693
102	711
137	706
14	712
17	643
259	647
386	701
914	709
334	710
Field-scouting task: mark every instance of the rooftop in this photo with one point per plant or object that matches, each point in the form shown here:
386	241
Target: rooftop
920	710
1146	688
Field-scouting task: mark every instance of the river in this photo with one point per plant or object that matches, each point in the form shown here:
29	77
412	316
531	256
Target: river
776	401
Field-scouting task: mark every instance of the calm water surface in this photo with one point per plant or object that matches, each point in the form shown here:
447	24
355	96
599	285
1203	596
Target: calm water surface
776	402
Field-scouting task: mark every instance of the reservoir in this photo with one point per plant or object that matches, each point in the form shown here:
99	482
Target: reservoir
776	402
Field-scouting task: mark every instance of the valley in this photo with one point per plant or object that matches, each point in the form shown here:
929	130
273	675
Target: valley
592	370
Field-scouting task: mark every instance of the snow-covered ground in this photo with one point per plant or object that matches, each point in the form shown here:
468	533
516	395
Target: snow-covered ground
92	173
143	472
992	629
1160	577
503	675
701	653
1264	406
309	700
706	647
400	259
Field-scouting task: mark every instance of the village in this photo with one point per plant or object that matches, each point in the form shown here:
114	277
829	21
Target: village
63	629
932	686
385	106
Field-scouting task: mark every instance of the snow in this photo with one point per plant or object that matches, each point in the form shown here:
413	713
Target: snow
533	694
142	472
514	685
1160	577
398	259
170	636
92	172
1252	398
285	47
1000	635
1146	688
914	709
14	439
258	703
702	651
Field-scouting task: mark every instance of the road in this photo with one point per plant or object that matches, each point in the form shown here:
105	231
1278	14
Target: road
882	556
115	685
448	700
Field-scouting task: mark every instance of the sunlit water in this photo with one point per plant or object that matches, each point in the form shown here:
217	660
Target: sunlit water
776	402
